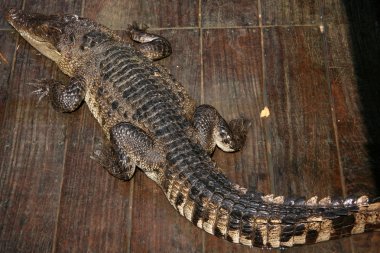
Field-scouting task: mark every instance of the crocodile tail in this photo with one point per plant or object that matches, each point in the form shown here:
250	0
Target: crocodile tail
211	202
296	222
315	221
199	190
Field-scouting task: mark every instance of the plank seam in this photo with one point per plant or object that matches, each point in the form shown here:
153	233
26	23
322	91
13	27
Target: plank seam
268	157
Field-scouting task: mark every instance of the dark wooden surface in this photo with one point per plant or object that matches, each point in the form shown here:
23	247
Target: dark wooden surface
314	64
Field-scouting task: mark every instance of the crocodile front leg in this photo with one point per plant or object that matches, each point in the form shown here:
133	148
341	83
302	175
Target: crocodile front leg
152	46
63	97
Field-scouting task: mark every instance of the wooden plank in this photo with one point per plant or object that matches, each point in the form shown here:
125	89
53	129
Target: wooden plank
335	12
233	84
87	196
227	13
31	157
303	151
157	227
290	12
366	243
353	53
363	17
95	213
232	69
183	63
351	129
6	5
54	7
301	128
7	50
118	14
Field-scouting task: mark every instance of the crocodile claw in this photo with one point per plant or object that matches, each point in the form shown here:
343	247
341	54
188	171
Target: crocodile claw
101	155
41	88
137	27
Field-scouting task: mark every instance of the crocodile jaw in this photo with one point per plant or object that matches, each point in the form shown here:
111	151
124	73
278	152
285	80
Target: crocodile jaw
41	31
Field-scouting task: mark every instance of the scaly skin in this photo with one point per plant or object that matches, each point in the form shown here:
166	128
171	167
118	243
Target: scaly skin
152	123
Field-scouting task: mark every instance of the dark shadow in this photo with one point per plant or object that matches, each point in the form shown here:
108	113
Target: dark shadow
364	23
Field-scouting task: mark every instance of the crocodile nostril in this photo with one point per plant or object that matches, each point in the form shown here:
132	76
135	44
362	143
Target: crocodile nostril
12	13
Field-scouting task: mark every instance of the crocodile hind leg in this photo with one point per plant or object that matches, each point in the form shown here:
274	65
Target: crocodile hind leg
152	46
115	161
64	98
132	142
213	130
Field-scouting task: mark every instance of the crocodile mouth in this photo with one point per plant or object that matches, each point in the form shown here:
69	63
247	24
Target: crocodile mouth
41	31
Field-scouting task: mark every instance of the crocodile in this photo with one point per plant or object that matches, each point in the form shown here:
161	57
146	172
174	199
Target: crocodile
151	123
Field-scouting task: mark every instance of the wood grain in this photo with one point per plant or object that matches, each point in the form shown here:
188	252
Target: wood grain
7	51
334	12
351	128
52	7
227	13
117	14
301	135
94	207
4	6
364	37
31	155
289	12
353	60
233	84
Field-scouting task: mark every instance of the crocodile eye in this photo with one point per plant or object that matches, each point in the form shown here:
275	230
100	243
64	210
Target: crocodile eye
227	139
72	38
93	38
68	18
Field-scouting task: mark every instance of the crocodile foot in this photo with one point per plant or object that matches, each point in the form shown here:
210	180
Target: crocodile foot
41	88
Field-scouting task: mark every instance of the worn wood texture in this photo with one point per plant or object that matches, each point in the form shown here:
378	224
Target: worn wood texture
303	12
118	14
7	51
289	12
31	156
363	31
94	213
313	63
227	13
334	11
354	57
351	131
300	130
4	6
51	7
232	68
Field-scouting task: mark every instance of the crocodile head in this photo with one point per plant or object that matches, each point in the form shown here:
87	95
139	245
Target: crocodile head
65	39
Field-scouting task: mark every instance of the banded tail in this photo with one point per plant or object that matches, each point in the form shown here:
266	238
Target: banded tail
229	212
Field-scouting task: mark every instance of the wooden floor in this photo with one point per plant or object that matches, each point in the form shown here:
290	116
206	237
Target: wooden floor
314	64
